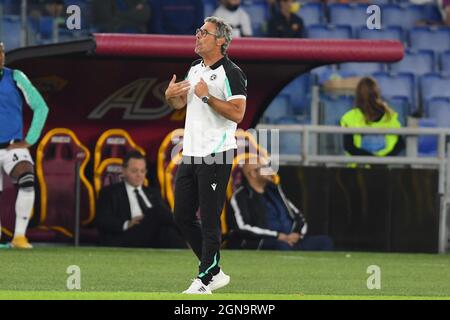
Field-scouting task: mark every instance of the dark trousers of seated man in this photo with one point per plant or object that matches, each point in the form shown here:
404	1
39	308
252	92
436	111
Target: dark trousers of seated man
153	231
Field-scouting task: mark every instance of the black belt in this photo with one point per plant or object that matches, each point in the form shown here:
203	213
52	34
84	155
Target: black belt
4	145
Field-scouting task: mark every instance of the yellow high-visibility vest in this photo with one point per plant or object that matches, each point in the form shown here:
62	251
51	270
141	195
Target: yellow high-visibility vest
379	145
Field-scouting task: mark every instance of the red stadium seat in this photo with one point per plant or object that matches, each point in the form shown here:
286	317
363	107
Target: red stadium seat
173	142
57	156
7	203
109	172
110	149
114	143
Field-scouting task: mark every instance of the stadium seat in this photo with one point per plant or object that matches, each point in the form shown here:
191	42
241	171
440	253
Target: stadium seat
311	13
289	142
401	105
318	31
259	14
427	145
10	7
299	92
400	84
445	62
7	203
431	38
10	32
417	62
109	172
388	33
439	110
407	15
333	108
434	85
57	156
324	73
279	107
114	143
172	143
360	68
353	14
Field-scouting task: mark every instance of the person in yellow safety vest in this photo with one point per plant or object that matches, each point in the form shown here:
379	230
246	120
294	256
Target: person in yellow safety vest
371	111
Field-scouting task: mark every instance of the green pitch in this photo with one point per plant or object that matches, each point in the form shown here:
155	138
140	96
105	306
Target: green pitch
161	274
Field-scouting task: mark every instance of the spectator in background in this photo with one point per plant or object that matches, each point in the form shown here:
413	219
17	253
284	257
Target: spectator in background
445	8
261	217
121	16
176	16
132	215
284	23
235	16
371	112
52	8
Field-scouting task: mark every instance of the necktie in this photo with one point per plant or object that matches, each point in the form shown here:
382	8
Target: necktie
141	202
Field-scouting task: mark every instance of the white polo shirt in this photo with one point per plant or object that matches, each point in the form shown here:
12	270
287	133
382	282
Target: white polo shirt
206	131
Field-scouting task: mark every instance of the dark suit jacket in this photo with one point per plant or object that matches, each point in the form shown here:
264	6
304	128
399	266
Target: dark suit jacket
113	209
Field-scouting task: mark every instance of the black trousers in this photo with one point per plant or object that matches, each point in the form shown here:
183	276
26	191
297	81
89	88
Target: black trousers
201	184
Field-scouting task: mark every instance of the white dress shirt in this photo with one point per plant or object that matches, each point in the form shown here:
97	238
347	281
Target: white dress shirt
134	204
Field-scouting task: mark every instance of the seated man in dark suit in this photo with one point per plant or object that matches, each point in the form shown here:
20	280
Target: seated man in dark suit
132	215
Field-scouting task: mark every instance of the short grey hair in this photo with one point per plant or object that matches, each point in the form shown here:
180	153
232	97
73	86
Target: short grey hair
224	30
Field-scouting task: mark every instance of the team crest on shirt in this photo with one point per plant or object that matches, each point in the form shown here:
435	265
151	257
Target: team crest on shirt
213	77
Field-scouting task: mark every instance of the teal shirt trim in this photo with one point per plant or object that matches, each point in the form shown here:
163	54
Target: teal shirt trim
36	103
224	137
227	85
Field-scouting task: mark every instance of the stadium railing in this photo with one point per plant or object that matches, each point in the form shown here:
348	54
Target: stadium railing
310	157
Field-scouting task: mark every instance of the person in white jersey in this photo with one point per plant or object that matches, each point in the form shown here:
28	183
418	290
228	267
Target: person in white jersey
215	93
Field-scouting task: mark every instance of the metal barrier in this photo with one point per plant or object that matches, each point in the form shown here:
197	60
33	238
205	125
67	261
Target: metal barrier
441	162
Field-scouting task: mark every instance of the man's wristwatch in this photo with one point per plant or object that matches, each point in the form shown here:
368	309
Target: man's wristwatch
205	99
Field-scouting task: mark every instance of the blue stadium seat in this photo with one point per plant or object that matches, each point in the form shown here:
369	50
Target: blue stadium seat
352	14
318	31
10	7
290	142
324	73
439	109
311	13
434	85
388	33
400	84
427	145
361	68
407	15
333	108
259	14
11	30
432	38
417	62
401	105
299	92
445	61
279	107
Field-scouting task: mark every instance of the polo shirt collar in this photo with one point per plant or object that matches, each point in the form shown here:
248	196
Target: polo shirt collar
218	63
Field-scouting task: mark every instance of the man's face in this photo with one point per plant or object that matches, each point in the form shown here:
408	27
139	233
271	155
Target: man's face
232	4
2	55
254	172
206	40
135	172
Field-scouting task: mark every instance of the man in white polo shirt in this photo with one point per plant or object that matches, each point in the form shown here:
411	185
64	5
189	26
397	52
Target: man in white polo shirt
215	92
